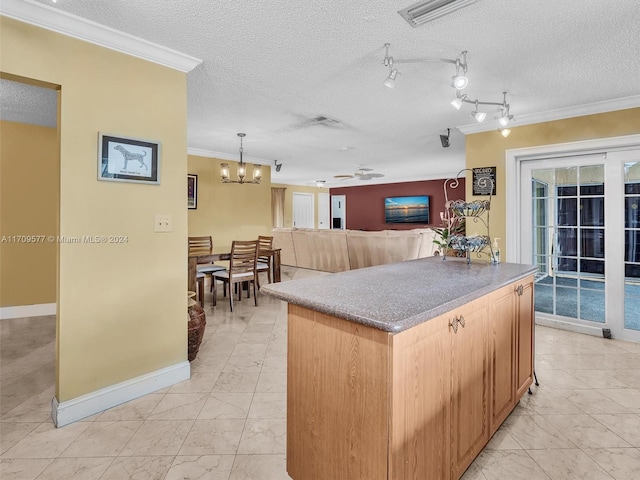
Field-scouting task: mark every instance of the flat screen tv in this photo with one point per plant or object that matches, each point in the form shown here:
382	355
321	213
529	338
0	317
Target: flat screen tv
406	209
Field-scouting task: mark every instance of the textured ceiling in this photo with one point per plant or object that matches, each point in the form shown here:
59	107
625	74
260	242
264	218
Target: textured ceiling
270	67
24	103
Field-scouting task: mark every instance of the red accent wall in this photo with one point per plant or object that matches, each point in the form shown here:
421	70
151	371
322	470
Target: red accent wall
365	204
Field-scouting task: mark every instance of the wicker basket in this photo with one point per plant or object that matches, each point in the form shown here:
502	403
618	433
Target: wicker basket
196	325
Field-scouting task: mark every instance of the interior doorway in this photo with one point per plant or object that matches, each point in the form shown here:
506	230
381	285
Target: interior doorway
339	212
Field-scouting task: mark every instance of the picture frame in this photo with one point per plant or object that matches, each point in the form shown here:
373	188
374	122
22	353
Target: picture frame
126	159
192	191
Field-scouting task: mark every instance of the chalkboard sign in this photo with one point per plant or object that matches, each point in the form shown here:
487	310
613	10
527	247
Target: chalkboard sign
484	181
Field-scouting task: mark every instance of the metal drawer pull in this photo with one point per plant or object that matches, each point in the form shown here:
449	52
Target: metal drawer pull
454	324
461	321
520	290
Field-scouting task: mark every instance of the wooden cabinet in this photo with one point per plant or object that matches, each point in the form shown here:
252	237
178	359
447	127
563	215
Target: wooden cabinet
420	400
418	404
503	354
469	384
525	337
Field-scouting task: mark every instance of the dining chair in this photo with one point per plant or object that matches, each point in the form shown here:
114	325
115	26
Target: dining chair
203	246
242	268
265	244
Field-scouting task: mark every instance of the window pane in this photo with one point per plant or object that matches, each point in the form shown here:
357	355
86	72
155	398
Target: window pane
543	298
592	305
567	241
592	180
566	302
632	246
568	211
592	212
632	212
592	242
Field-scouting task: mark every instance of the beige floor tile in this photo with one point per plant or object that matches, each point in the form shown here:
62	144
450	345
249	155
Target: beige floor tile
627	397
627	426
23	468
138	468
210	437
502	440
200	382
76	468
158	437
236	382
137	409
585	431
509	464
46	441
620	463
223	405
263	436
535	432
103	439
594	402
568	464
263	467
268	405
179	406
272	382
205	467
12	433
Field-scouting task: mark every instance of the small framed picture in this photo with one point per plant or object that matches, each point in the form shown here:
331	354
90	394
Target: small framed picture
192	191
123	159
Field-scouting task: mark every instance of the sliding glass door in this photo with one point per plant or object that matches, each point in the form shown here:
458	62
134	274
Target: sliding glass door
580	223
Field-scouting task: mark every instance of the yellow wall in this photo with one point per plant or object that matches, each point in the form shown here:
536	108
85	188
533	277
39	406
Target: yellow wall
28	213
288	201
488	149
228	211
121	306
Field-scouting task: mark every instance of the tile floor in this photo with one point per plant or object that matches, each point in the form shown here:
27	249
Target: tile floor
228	421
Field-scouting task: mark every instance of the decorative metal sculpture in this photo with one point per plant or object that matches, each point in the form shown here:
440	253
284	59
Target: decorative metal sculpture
455	217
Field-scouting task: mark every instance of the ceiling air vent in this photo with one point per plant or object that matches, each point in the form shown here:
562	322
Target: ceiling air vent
426	11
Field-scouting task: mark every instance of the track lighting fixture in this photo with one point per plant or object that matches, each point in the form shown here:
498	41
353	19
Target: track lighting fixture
444	139
458	81
505	132
278	165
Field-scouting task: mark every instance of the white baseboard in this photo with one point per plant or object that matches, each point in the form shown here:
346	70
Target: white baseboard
81	407
572	327
22	311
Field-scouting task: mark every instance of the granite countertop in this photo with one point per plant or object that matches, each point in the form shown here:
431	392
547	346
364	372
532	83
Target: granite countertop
398	296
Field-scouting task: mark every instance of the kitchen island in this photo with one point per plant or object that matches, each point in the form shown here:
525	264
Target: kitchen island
403	371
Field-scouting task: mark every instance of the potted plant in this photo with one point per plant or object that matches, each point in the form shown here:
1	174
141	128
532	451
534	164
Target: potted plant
444	234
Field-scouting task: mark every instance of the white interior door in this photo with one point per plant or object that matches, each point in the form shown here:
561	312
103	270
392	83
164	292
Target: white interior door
323	211
303	216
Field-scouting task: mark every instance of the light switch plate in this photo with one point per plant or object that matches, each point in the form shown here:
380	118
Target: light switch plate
163	223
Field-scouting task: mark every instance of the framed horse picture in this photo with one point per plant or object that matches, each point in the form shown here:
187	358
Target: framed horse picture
125	159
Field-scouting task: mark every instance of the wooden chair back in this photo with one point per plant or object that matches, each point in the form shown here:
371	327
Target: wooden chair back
244	254
264	243
200	245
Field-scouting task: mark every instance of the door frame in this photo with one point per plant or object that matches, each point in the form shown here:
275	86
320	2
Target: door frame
514	160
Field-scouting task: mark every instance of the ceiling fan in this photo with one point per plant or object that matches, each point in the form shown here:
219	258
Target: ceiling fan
363	173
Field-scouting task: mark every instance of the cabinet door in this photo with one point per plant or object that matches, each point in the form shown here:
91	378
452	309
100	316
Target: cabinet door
502	338
470	385
524	302
420	398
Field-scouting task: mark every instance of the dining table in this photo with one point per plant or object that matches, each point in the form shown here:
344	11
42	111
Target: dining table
202	258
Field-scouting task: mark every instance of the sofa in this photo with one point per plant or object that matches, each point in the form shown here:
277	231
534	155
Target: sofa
340	250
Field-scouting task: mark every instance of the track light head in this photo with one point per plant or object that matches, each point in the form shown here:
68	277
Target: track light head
459	82
391	79
505	132
479	116
278	165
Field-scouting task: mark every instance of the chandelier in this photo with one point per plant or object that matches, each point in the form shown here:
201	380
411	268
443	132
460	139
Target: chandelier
242	169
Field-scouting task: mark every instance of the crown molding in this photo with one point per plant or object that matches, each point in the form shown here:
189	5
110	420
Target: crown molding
559	114
56	20
200	152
